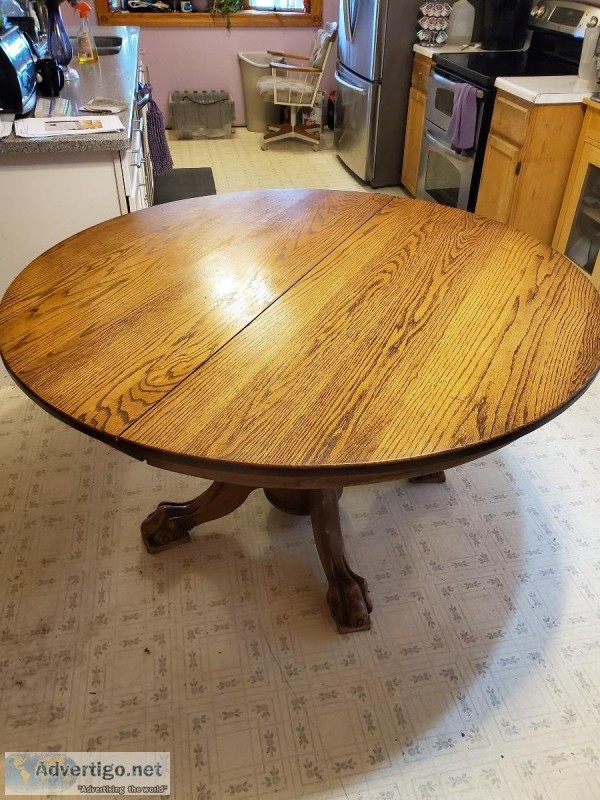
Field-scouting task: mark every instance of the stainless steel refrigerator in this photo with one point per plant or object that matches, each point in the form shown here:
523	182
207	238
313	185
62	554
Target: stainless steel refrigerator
373	74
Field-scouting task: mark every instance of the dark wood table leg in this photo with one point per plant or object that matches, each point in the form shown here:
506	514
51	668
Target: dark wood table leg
347	595
432	477
292	501
171	523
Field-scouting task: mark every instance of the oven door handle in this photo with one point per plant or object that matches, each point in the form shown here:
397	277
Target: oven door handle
444	148
441	80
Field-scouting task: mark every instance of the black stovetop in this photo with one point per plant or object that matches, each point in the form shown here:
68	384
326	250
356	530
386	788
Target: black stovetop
482	69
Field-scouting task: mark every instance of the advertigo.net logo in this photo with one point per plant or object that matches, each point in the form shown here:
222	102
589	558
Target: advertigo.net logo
88	773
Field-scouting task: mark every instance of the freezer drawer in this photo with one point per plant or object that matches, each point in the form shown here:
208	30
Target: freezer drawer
356	109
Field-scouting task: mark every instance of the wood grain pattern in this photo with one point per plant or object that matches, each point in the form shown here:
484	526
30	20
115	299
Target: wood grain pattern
125	311
428	331
396	331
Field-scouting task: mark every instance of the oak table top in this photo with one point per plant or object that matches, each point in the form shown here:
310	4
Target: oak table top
301	341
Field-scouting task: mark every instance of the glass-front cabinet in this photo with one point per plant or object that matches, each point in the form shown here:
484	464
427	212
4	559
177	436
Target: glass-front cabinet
578	229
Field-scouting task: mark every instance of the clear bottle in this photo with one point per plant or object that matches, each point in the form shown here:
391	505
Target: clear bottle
587	62
87	52
461	22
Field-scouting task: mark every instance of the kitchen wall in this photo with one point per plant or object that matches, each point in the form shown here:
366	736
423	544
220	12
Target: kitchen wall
206	58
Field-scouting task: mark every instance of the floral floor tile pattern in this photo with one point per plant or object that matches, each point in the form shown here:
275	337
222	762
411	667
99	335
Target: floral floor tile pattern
479	680
480	677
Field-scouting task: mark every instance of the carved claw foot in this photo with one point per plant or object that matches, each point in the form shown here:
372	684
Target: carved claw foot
432	477
171	523
347	594
166	527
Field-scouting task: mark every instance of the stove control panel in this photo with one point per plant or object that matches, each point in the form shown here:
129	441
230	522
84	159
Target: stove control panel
563	16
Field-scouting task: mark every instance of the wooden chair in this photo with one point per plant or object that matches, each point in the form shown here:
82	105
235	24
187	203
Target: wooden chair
297	86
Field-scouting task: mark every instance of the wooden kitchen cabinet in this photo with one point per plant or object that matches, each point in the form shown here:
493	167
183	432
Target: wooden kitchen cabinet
578	230
501	168
527	161
415	122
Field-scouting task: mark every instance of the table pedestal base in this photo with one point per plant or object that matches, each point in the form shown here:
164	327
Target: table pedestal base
347	593
431	477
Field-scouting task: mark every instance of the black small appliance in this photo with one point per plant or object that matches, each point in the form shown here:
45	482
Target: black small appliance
17	73
505	24
51	77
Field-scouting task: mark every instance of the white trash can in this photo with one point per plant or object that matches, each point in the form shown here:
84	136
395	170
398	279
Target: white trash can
259	115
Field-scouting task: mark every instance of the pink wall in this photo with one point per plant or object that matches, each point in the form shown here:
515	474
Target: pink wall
206	58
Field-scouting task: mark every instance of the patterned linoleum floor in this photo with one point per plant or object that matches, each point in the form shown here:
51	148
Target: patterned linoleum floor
480	677
239	164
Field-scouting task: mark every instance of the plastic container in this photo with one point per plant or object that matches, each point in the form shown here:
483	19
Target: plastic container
259	115
587	62
87	52
461	22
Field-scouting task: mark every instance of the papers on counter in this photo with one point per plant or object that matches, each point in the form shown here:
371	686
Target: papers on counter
103	105
6	123
35	128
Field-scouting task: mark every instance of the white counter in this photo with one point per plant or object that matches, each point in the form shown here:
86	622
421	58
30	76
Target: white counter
428	52
548	89
541	90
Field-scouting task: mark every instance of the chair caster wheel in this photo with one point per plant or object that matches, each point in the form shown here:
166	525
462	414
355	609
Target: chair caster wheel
264	146
316	148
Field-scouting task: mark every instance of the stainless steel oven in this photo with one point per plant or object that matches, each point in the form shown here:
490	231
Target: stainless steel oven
557	28
446	176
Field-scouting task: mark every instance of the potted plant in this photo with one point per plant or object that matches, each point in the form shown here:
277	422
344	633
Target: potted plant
224	8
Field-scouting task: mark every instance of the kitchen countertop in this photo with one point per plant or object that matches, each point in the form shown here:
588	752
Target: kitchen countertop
428	52
113	76
548	89
540	90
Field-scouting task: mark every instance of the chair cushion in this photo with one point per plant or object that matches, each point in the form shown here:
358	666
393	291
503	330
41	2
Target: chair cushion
319	48
289	90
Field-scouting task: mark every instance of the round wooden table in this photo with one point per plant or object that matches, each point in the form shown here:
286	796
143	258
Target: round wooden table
301	341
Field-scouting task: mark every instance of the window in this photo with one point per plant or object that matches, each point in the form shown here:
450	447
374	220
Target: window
255	14
276	5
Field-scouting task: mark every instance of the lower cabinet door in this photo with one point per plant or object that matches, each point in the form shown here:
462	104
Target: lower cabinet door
415	122
499	179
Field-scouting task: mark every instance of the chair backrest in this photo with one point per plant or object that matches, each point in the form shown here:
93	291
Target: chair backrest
324	40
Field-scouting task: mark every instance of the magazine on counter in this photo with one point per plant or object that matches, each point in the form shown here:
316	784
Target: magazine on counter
43	127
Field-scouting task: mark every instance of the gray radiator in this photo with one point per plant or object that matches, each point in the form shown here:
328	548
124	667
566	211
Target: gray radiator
198	115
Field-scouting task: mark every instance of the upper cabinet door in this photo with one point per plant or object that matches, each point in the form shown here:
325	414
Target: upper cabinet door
361	36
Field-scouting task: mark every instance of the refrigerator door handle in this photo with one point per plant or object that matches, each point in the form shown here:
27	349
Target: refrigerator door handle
347	22
350	86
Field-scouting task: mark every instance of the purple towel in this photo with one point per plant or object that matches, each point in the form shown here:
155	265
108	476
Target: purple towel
463	124
157	141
